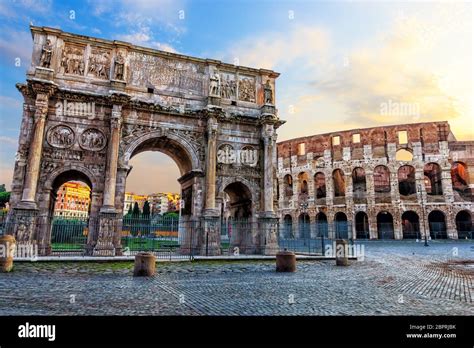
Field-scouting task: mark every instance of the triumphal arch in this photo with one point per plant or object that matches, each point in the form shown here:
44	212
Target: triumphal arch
90	105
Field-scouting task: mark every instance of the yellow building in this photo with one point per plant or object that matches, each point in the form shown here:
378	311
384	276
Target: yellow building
73	200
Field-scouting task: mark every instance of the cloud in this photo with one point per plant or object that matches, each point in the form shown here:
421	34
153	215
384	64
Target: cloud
143	20
10	47
8	141
327	87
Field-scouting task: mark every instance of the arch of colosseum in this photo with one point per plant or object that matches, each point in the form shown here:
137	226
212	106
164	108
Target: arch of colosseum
391	182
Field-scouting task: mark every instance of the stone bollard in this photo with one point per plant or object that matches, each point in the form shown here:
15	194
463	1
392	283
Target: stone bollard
342	257
144	265
7	247
285	261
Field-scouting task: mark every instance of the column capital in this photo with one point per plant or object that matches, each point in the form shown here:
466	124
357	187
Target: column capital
42	87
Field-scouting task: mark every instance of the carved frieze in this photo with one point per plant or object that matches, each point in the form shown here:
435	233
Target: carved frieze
247	88
228	86
72	61
165	74
61	137
99	63
92	139
62	154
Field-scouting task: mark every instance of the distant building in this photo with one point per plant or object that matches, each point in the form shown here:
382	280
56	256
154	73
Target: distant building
130	200
73	200
160	203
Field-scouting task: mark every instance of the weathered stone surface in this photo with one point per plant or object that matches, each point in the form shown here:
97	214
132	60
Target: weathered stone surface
285	261
7	247
145	265
90	105
373	186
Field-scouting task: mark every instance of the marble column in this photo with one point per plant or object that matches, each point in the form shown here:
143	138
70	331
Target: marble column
210	240
112	160
210	203
35	151
268	221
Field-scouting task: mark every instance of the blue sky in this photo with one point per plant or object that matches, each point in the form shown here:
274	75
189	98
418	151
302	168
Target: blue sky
339	61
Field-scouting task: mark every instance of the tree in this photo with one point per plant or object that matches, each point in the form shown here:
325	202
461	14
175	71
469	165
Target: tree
146	209
4	198
2	188
129	213
136	210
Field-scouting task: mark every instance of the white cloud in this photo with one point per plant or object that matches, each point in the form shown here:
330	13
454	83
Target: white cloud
330	88
16	44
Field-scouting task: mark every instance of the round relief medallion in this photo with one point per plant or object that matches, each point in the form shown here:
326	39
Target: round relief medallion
61	137
92	139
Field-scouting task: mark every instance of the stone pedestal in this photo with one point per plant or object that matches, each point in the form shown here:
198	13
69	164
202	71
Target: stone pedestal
145	265
44	73
342	257
285	261
210	238
7	250
104	245
268	226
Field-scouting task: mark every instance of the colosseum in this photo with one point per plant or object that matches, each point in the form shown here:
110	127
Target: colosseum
393	182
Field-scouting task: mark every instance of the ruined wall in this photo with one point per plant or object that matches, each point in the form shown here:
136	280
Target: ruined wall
416	168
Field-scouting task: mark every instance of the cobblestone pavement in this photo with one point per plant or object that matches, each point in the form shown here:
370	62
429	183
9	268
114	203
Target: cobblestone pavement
395	278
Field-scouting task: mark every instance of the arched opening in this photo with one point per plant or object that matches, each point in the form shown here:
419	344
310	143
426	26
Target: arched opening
464	225
460	179
406	182
303	182
382	184
437	223
385	225
410	225
70	213
339	183
239	209
320	185
359	186
288	227
341	225
404	155
432	173
362	225
157	199
288	182
322	225
304	226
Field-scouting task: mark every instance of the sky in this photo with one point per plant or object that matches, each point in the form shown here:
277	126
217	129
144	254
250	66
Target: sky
343	64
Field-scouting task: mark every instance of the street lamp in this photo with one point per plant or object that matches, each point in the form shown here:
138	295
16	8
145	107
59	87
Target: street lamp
423	215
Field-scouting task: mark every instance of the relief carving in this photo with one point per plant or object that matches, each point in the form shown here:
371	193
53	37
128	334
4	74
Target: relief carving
72	61
92	139
99	63
228	86
247	89
163	73
61	137
46	54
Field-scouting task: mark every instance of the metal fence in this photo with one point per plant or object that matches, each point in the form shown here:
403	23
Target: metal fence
171	238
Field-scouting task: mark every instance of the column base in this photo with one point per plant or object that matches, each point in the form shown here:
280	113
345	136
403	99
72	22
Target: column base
104	246
268	223
210	245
